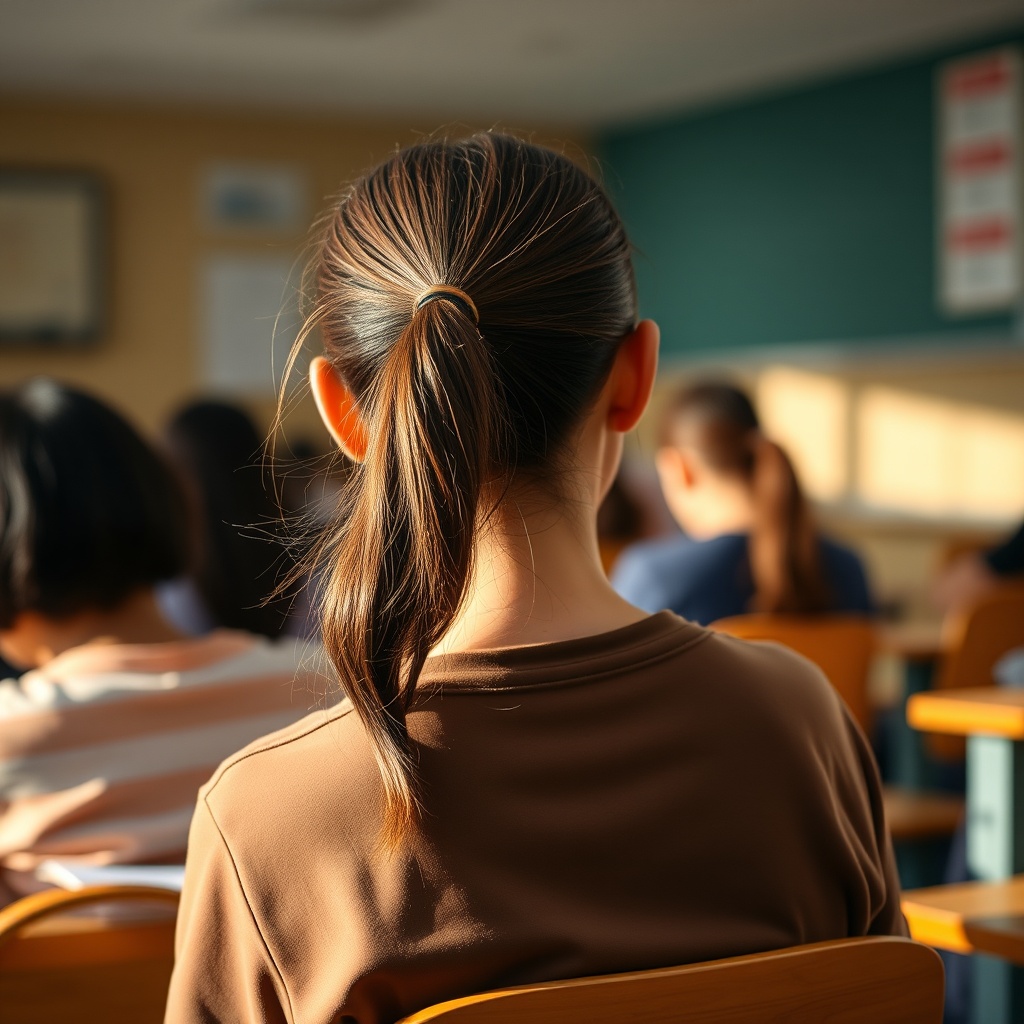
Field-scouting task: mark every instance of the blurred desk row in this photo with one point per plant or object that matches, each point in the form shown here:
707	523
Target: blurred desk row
984	918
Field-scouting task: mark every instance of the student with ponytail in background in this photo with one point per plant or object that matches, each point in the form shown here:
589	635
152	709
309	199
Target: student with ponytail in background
750	542
530	778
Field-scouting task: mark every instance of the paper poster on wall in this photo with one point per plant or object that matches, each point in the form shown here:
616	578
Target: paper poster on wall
52	256
254	199
249	319
979	182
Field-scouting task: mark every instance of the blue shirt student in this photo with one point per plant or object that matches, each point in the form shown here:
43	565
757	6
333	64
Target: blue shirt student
709	580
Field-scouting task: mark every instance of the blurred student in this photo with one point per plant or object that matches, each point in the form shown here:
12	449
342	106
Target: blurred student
530	778
750	543
971	576
235	579
104	742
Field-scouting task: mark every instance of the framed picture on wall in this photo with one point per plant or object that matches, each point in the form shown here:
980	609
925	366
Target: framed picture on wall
52	256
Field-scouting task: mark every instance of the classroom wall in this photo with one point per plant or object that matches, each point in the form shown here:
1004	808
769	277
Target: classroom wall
800	217
795	233
152	159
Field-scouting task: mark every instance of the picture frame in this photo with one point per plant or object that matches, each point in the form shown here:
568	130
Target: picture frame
53	256
254	200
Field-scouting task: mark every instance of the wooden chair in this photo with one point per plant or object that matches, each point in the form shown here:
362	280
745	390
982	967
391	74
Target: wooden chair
975	638
842	646
881	980
100	953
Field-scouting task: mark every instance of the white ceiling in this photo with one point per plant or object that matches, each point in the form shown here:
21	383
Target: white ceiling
568	62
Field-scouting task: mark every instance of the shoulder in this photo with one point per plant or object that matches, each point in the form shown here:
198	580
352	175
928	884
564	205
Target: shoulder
839	554
722	667
652	553
644	572
43	691
322	765
301	664
760	660
293	744
846	574
769	682
285	654
33	692
753	702
666	558
696	579
308	793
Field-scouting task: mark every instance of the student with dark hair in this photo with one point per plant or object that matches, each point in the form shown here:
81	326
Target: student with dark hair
750	543
120	718
971	576
530	778
235	579
90	515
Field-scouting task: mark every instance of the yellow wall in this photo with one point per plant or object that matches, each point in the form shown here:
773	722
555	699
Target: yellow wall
152	159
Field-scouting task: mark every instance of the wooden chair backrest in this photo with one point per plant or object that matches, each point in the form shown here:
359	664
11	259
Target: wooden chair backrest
842	646
974	639
878	980
100	953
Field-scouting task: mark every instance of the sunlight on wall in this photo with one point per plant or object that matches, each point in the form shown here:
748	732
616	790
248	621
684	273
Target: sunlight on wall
891	449
808	414
937	457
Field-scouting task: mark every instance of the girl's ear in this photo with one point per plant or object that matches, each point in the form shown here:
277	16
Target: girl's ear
338	409
632	376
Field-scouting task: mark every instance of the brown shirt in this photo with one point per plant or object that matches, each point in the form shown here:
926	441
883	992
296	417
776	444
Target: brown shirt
655	795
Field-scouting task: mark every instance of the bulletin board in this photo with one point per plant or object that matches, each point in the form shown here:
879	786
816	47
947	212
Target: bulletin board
53	256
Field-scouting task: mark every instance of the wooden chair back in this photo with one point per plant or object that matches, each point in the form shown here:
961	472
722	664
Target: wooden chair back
878	980
100	953
842	646
974	639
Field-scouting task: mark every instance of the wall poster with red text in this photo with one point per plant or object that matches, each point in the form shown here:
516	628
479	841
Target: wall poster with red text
980	182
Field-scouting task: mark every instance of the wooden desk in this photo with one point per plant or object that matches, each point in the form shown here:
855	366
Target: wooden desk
998	936
988	710
976	917
992	719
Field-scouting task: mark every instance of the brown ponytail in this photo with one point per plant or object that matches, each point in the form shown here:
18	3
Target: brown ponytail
414	515
720	422
783	543
454	409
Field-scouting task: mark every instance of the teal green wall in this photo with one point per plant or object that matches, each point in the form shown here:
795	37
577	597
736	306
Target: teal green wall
803	217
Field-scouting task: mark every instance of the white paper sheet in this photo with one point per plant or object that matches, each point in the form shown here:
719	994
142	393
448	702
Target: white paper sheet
69	875
249	319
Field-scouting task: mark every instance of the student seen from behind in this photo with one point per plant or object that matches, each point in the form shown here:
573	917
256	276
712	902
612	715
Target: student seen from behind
240	562
749	541
968	578
119	718
530	778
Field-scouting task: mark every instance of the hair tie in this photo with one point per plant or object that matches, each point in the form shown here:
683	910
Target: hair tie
450	294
